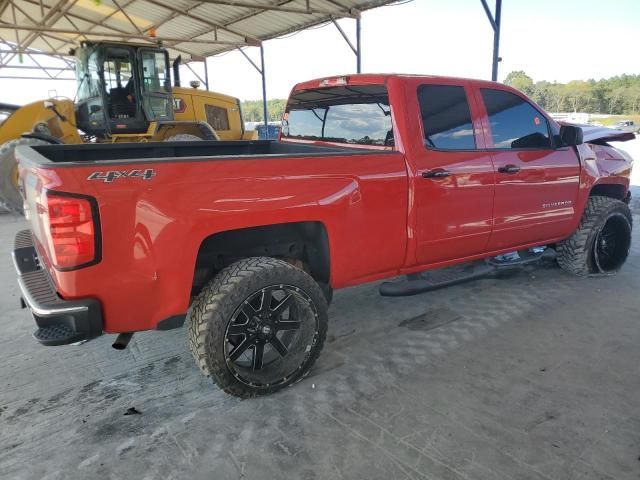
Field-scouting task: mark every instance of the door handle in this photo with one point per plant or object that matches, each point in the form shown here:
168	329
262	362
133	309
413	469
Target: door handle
436	173
509	169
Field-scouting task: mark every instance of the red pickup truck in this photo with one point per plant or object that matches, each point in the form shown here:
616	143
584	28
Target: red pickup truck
374	176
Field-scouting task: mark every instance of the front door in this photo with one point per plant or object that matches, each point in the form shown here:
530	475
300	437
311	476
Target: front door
536	184
455	179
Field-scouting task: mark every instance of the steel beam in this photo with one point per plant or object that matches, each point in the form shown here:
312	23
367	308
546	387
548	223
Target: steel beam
54	14
260	69
281	8
206	74
355	49
494	20
264	91
210	24
33	67
358	47
496	41
34	28
15	51
344	35
133	24
9	77
195	73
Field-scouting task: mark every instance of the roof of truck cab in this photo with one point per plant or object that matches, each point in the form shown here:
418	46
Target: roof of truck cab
383	78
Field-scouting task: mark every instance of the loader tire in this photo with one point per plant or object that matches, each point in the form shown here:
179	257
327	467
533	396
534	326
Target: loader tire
601	243
183	137
258	326
10	197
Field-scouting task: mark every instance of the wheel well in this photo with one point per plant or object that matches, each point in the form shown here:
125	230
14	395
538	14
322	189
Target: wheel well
609	190
305	242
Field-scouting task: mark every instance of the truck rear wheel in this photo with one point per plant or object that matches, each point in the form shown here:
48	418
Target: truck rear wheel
602	241
10	197
258	326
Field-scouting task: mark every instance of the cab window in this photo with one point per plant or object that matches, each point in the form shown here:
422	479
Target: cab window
446	117
514	122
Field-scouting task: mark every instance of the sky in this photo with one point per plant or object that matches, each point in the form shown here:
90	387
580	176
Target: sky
550	40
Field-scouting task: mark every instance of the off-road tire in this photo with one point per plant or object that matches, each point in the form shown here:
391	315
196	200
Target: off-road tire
10	198
576	254
183	137
213	309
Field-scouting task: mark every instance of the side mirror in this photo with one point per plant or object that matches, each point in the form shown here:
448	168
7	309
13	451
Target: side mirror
570	135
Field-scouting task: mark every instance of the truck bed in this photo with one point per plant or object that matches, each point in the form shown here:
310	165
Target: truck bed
172	151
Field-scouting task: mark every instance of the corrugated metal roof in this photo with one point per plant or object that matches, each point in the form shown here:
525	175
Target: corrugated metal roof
185	27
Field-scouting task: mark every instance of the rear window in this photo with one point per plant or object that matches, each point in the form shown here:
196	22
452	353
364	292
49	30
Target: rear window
514	122
354	114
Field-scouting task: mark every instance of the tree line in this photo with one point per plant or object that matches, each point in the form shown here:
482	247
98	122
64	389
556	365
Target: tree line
252	110
619	95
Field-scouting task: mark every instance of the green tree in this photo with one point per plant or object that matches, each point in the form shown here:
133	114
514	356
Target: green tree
252	110
578	95
520	80
615	95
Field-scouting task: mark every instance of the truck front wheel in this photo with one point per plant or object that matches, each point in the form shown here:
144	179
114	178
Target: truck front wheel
602	241
258	326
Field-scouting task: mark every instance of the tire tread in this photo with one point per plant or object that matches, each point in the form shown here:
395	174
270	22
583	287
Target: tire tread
573	253
206	321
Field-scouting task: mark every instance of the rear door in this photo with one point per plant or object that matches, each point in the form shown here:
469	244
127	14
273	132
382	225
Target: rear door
536	184
455	179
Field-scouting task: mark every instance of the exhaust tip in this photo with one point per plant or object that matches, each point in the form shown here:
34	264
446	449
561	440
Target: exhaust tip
122	341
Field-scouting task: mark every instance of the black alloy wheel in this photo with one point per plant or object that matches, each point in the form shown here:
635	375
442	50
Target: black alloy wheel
612	243
258	326
270	335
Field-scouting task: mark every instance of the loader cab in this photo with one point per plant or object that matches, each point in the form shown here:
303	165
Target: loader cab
122	88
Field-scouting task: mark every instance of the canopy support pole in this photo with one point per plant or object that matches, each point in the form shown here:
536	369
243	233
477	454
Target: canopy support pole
264	91
358	46
494	20
202	81
357	49
261	70
206	75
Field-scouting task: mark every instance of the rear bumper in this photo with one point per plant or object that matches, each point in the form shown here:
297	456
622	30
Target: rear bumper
60	322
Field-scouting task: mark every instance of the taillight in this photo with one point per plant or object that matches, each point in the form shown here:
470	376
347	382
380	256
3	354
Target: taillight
70	227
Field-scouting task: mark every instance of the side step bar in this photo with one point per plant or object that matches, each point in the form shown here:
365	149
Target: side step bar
445	277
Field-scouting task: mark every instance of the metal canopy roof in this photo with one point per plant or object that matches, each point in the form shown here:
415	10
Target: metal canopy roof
196	28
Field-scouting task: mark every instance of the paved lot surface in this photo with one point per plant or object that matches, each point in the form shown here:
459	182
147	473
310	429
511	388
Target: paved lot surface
529	377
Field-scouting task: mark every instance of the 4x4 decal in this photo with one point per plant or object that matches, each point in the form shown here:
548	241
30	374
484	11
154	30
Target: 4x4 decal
110	176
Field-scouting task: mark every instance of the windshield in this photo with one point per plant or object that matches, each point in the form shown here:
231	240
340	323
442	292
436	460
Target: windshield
118	73
358	114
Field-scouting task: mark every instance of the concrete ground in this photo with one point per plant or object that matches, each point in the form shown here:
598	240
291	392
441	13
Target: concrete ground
534	376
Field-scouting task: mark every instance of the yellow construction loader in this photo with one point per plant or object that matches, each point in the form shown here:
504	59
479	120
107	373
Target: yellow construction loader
124	94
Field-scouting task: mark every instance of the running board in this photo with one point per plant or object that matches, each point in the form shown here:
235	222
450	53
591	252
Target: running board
430	280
